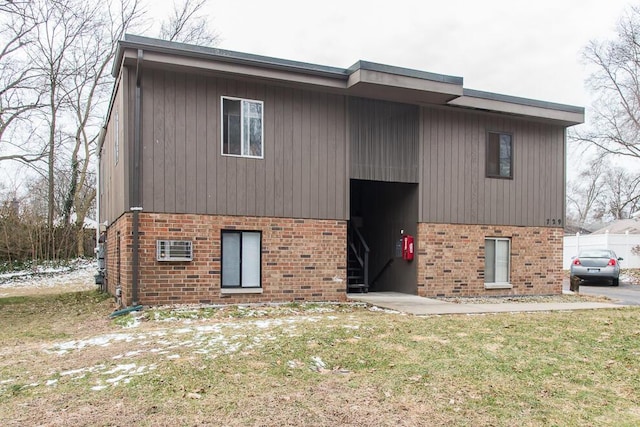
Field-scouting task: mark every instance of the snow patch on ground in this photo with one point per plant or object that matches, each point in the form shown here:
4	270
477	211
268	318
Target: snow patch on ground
213	340
98	387
99	341
318	363
227	337
232	336
133	320
383	310
78	275
125	374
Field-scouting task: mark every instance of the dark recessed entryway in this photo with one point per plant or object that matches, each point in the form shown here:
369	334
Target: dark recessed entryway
380	212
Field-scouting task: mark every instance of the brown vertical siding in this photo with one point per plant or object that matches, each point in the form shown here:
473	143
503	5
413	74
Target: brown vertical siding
311	152
384	140
454	187
169	155
114	177
301	175
179	138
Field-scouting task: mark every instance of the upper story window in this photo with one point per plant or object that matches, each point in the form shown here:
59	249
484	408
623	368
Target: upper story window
499	155
242	128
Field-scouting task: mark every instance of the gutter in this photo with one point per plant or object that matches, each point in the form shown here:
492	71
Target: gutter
136	207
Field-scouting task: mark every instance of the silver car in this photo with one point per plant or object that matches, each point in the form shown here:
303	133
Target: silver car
596	265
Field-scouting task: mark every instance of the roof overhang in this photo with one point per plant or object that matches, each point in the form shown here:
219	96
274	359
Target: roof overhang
167	60
363	79
565	115
371	80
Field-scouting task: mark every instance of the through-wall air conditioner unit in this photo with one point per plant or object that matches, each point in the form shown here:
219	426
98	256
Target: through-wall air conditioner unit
174	250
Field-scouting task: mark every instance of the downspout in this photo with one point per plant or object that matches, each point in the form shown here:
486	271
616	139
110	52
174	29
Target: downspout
100	246
135	194
99	194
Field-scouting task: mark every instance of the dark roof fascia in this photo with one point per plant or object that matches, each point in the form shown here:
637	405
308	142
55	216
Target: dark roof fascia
163	46
522	101
405	72
174	48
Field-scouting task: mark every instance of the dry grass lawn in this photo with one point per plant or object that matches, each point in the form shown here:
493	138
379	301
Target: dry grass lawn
64	363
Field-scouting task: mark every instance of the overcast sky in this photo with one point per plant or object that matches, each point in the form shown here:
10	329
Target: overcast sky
530	49
522	48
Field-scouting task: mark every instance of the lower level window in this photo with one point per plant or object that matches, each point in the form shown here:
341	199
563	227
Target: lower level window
241	259
496	260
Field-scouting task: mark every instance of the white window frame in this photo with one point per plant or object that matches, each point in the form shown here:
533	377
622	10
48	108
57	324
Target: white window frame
242	287
499	285
242	144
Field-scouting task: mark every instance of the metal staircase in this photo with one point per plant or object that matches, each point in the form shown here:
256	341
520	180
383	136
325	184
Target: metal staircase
357	260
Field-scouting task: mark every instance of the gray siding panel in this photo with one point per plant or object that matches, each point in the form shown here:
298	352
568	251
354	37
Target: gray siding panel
322	157
190	147
211	152
114	185
384	140
202	193
270	152
147	159
314	171
160	141
287	139
454	187
305	147
180	145
170	144
299	152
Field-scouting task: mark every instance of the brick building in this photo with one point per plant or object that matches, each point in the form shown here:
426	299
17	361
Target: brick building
229	177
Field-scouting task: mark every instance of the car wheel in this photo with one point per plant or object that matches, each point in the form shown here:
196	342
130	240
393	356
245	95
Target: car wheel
615	282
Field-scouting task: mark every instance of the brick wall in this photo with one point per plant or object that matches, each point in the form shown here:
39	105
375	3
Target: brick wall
119	265
302	259
451	260
305	259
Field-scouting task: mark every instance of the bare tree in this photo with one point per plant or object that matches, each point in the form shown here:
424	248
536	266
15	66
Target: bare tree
621	194
188	24
603	192
584	192
55	57
20	91
62	24
89	92
615	80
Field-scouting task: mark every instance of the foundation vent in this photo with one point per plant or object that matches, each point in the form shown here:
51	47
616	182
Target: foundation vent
174	250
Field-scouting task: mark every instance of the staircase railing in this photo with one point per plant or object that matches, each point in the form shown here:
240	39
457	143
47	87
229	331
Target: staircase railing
361	251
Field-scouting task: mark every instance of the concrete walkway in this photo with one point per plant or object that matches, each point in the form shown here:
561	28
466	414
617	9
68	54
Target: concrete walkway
413	304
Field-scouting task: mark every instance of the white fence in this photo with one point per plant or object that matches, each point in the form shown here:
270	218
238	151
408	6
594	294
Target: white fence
621	244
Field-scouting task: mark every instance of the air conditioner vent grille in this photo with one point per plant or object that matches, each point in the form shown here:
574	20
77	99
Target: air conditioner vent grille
174	250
